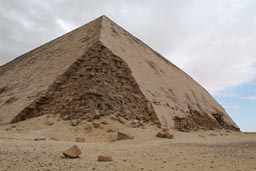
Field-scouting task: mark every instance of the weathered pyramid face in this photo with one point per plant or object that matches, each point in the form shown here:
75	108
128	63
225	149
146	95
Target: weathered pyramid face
100	70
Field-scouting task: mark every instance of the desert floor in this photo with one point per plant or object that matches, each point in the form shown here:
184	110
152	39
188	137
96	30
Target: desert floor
193	151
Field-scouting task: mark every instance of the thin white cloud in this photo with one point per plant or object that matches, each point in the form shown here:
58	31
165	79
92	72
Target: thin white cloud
66	27
251	97
235	96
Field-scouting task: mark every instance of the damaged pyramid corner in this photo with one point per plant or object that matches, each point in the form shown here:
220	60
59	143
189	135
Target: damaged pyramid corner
101	70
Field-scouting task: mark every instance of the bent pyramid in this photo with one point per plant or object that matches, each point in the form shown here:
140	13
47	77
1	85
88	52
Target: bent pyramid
100	69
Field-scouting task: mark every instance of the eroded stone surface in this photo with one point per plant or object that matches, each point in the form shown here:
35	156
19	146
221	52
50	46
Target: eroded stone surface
96	85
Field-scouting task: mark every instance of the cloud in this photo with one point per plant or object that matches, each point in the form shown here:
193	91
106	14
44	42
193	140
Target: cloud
213	41
235	96
250	97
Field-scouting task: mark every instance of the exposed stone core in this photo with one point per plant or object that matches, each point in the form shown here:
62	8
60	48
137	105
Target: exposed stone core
97	84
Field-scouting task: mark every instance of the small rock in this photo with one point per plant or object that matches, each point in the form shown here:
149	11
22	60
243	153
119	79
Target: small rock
39	139
13	126
164	135
102	158
110	130
96	125
135	121
123	136
88	128
49	123
80	139
96	114
165	129
74	122
73	152
113	118
54	139
8	129
104	122
201	136
121	120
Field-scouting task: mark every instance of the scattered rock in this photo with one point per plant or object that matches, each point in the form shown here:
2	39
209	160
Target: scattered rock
165	129
96	114
110	130
7	129
113	118
80	139
74	122
73	152
49	123
136	123
164	135
104	122
88	128
13	126
121	120
201	136
39	139
96	125
54	139
102	158
123	136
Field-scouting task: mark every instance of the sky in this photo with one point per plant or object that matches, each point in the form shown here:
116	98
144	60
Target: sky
213	41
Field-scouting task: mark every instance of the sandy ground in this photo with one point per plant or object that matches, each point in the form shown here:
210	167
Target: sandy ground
202	150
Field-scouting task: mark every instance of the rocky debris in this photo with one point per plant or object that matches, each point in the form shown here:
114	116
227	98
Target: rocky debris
114	118
80	139
40	139
74	122
104	158
110	130
88	128
136	123
96	114
73	152
13	126
165	129
49	123
96	125
54	139
123	136
104	122
3	89
163	134
121	120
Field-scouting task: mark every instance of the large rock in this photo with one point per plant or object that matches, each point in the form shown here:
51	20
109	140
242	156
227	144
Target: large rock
73	152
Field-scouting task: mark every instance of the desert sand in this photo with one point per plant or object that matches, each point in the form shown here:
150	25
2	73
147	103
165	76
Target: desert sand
195	150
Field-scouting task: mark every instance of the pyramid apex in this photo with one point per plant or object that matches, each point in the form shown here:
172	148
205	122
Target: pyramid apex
104	18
